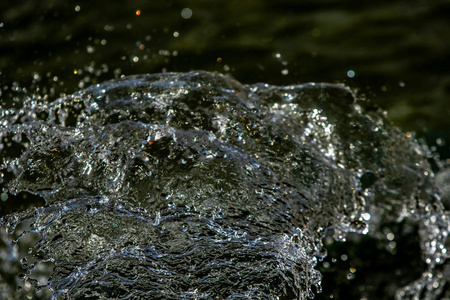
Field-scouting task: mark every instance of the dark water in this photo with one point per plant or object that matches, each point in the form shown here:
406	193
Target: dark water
191	185
273	182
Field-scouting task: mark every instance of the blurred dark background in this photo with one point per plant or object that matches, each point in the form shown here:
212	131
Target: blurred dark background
395	53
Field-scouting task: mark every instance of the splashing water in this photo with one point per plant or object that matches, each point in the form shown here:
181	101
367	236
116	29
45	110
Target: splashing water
193	186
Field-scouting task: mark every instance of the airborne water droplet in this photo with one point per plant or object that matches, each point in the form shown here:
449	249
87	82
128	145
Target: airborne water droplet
4	196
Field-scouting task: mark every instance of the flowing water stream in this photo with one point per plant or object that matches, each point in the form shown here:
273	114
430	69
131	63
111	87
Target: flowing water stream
195	186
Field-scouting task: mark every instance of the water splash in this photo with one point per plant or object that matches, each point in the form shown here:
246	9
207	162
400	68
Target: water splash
192	185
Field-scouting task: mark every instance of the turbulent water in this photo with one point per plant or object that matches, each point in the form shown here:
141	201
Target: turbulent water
194	186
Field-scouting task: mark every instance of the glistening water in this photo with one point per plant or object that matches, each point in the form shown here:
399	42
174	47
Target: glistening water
195	186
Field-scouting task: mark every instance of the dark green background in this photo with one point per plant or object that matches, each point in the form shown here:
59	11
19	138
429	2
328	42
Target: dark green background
399	50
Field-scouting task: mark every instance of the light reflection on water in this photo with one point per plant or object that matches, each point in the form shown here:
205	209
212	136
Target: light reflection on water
194	185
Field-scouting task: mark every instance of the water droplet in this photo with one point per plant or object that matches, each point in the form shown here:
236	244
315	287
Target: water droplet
390	236
351	73
4	196
366	216
186	13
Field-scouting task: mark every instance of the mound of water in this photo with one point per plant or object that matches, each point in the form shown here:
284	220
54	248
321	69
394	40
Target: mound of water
193	186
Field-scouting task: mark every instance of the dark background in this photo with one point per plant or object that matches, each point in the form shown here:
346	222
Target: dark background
399	52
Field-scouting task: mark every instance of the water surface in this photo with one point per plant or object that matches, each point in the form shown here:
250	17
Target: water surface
193	185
